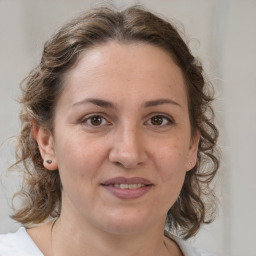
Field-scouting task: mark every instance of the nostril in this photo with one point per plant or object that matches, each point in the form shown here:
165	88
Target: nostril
127	164
118	164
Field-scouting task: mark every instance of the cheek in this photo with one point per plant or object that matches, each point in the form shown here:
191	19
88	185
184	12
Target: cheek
81	161
172	170
171	156
78	169
77	149
170	161
77	160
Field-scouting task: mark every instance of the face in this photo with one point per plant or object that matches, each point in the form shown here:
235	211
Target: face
122	137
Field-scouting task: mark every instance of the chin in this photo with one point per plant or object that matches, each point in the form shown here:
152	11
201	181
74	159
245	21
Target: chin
127	224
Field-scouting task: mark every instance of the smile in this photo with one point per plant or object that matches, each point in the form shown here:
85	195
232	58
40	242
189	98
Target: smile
127	186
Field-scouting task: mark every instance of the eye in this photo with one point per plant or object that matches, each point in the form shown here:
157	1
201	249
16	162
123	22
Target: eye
159	120
95	120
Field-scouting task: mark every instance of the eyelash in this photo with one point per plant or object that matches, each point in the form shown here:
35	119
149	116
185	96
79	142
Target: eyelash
89	118
166	121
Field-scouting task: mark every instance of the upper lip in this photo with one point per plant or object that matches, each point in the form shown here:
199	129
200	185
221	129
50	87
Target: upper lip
124	180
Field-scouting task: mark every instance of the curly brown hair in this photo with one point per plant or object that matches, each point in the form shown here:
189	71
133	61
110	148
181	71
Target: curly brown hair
42	87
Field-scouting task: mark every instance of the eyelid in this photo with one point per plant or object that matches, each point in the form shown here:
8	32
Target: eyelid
85	118
170	119
167	117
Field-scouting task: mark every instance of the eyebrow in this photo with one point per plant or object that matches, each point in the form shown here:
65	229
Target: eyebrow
153	103
108	104
98	102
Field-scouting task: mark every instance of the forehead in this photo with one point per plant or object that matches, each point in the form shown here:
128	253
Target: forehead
131	68
111	54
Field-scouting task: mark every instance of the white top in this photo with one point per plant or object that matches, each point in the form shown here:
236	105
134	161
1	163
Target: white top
21	244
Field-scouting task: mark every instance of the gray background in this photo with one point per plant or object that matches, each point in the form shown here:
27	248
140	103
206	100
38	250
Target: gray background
221	33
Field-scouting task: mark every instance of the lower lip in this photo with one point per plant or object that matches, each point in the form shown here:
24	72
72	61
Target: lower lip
128	193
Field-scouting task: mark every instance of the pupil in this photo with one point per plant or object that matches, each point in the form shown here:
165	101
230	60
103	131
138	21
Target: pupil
96	120
157	120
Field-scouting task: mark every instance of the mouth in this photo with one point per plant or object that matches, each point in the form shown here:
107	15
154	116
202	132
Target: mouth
127	188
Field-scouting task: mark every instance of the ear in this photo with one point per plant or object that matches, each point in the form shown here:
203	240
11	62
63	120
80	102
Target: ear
45	143
193	150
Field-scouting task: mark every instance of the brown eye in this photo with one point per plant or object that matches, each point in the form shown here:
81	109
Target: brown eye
96	120
159	120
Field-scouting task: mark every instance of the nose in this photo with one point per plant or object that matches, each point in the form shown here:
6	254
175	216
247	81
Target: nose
127	148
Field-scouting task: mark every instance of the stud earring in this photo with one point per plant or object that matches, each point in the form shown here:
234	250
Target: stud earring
48	161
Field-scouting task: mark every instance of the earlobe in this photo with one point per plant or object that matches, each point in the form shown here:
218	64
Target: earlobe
193	150
45	143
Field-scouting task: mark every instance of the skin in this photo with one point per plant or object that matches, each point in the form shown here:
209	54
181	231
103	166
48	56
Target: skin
144	132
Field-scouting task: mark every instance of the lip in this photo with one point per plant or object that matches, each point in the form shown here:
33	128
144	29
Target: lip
127	193
124	180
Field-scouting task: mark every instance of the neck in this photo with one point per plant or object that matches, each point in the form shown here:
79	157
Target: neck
73	238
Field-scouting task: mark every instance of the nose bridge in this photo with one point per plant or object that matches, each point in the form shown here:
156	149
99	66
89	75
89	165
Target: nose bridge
130	138
127	148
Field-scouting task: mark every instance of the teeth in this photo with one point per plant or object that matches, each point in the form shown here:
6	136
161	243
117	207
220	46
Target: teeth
128	186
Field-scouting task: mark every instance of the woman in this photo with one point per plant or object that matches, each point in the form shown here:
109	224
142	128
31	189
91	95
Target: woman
117	141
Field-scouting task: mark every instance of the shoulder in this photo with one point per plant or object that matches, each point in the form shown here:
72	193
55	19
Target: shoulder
18	244
186	248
